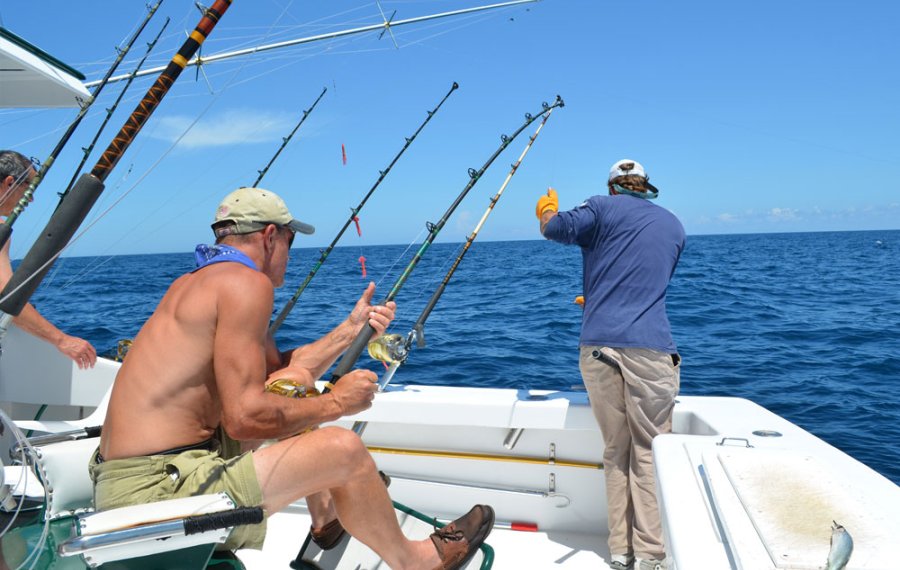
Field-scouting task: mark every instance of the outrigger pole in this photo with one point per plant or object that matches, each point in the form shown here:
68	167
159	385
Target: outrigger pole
387	25
417	334
109	112
6	227
362	339
353	212
75	204
287	139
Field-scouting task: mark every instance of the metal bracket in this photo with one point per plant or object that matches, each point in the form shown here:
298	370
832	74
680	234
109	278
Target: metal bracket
745	440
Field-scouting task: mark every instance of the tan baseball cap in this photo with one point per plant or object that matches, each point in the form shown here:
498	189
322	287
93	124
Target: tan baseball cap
251	210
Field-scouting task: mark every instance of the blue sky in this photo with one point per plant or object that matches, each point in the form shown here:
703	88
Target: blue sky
750	117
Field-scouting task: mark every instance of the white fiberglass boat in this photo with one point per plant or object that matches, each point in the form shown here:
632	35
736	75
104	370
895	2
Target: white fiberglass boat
739	487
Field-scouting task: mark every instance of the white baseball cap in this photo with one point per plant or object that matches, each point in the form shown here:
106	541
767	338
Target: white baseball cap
626	166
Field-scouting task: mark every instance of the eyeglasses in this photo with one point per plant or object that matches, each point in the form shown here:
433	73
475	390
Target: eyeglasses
291	235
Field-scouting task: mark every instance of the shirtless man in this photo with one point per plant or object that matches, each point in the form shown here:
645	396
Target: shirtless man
202	360
16	174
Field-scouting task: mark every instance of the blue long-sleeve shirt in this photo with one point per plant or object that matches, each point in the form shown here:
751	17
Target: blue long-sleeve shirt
630	248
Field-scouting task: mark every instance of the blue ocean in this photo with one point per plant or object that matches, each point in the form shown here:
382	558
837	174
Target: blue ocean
805	324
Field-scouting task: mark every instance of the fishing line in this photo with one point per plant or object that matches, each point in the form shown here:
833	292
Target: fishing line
164	204
382	174
160	207
41	173
348	359
74	215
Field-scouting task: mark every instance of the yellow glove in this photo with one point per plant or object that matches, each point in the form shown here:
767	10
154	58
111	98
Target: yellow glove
547	203
579	300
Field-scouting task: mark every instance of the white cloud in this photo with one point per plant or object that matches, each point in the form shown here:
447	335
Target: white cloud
240	126
726	217
783	215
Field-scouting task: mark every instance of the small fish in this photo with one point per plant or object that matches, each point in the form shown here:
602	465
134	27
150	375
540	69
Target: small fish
841	548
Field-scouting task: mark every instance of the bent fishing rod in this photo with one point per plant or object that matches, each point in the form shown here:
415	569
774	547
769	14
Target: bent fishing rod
396	348
362	339
353	217
6	227
287	139
75	204
109	112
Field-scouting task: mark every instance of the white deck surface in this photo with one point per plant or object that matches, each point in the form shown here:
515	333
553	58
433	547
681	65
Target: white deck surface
513	550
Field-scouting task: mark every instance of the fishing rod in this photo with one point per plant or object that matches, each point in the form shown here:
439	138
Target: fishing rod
75	204
373	27
353	216
109	112
393	349
362	339
6	227
287	139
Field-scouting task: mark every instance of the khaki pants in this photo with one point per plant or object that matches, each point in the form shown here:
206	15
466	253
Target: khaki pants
632	393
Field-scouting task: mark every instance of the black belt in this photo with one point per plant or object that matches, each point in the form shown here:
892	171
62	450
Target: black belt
206	445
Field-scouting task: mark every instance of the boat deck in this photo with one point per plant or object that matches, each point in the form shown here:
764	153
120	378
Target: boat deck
520	549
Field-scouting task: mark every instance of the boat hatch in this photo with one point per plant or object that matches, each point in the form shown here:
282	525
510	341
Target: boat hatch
780	506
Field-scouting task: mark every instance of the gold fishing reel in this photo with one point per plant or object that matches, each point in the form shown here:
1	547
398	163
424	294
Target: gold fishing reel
388	348
291	389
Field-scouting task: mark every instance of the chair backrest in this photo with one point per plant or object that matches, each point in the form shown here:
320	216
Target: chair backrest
64	470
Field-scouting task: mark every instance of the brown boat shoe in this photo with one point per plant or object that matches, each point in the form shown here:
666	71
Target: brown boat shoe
331	534
457	542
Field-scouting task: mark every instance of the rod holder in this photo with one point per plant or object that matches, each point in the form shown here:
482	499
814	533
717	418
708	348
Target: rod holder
512	437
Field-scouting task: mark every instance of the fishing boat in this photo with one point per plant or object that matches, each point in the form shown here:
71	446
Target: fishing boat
739	486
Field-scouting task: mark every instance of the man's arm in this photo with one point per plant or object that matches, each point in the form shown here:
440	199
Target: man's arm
545	219
32	322
244	304
318	356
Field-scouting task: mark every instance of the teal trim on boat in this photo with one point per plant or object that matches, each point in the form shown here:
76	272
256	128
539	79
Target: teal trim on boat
34	50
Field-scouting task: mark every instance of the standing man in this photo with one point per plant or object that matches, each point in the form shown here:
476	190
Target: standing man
628	360
202	361
16	173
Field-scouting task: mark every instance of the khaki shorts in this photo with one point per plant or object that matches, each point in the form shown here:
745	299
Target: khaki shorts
148	479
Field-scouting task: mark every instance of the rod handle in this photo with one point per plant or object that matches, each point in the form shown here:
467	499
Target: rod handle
351	355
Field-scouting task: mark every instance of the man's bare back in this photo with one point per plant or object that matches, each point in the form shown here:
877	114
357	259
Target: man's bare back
168	379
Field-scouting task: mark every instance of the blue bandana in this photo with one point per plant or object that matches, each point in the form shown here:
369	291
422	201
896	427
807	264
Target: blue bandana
208	254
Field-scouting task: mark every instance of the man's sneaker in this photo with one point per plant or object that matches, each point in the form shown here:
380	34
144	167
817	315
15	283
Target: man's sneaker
651	564
457	542
621	562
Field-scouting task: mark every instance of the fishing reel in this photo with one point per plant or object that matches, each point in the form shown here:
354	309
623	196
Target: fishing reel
388	348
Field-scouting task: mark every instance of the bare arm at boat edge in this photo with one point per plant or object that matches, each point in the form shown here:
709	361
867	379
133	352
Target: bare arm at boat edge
248	411
32	322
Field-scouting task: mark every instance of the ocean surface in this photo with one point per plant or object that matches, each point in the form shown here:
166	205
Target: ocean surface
805	324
